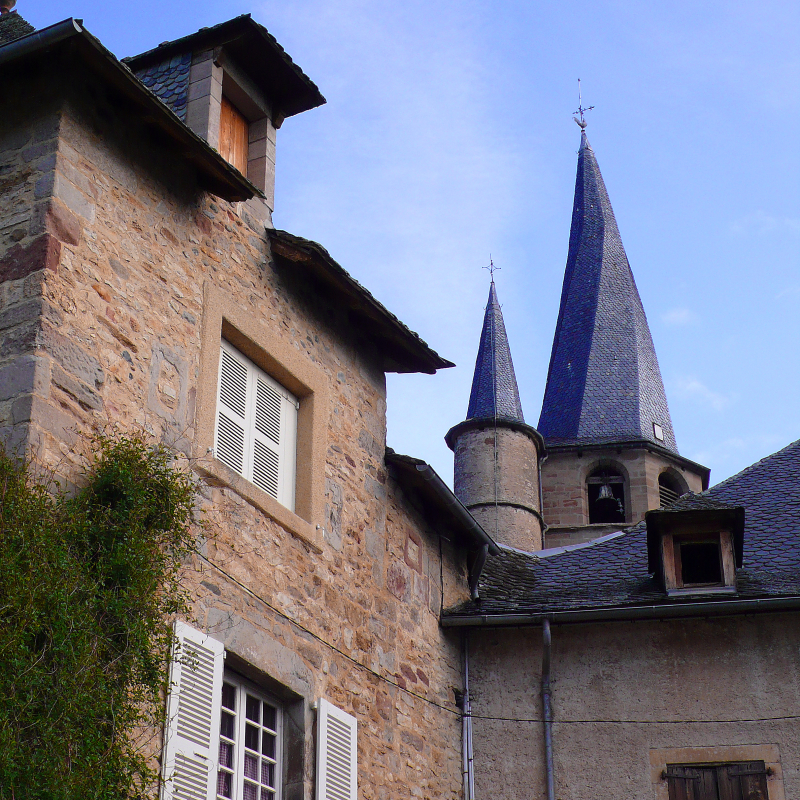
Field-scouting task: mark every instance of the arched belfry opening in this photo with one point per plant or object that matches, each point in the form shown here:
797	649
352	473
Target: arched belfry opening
670	488
605	489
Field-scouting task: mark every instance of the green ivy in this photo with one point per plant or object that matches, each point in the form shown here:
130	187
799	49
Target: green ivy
88	580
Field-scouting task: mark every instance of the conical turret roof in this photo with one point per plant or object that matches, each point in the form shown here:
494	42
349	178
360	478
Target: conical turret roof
494	385
604	384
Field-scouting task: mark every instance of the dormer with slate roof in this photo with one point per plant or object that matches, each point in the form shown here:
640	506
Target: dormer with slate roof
497	454
605	419
232	84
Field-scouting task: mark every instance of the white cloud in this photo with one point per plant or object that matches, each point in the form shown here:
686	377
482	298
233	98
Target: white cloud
689	388
679	316
761	223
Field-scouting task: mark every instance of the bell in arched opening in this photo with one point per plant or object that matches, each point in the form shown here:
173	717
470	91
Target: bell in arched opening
606	495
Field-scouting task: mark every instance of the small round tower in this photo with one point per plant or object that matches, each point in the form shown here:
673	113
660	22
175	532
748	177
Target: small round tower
497	454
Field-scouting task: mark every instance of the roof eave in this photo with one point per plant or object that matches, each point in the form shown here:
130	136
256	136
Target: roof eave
214	173
402	349
554	446
626	613
303	92
445	508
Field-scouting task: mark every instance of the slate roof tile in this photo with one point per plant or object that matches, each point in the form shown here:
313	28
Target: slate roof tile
494	384
612	572
13	26
604	382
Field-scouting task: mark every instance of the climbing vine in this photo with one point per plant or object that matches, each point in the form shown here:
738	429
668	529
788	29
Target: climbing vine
88	579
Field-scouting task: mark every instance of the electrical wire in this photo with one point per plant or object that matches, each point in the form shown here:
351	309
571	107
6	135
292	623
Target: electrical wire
300	626
638	721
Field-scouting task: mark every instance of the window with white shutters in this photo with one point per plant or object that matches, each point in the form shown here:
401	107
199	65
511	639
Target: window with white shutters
192	728
336	754
256	426
249	743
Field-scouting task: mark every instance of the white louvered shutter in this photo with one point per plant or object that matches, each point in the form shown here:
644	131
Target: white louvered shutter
191	740
337	769
256	426
229	447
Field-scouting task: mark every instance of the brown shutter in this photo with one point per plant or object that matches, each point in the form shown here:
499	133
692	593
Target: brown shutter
744	781
691	783
233	136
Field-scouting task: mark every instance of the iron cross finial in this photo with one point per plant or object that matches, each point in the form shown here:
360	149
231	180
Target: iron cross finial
581	122
492	268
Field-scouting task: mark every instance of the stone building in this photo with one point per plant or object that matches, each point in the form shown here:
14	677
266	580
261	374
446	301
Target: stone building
582	617
142	286
637	636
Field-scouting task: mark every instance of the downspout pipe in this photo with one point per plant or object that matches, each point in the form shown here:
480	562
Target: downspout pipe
547	710
466	729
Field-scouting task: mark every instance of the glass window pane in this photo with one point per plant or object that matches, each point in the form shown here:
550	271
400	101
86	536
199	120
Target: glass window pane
251	767
251	737
250	791
268	774
268	744
253	708
229	696
227	726
270	716
224	784
226	755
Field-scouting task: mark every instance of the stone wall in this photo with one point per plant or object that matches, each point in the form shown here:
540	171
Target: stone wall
110	338
497	479
631	697
564	476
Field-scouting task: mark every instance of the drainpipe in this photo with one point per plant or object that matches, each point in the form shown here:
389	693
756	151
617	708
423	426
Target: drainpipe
548	711
466	729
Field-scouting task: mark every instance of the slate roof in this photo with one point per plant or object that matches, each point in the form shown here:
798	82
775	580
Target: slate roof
604	382
494	384
12	27
169	79
402	349
254	49
612	573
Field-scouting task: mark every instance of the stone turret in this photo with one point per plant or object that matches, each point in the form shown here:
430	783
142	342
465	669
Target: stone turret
496	453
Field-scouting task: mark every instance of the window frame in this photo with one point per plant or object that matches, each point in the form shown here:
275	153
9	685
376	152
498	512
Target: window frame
293	369
661	758
671	544
284	451
243	687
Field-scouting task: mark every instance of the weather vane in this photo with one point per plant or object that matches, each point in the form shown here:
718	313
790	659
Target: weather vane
581	122
492	268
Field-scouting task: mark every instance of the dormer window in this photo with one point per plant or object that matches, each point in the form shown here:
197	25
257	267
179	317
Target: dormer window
605	489
695	550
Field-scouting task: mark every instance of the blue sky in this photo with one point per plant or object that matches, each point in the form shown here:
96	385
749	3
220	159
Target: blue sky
448	137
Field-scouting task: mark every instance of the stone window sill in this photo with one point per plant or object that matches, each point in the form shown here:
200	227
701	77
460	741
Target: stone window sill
219	474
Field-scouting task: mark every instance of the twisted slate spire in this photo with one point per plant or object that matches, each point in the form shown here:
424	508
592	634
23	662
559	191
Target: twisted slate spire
494	385
604	384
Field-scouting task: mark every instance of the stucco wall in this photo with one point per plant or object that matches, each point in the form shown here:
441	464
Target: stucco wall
629	697
344	606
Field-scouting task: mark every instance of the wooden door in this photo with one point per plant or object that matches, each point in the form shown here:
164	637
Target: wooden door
233	135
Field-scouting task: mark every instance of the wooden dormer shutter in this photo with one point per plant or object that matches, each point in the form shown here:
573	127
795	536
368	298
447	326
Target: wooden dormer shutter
233	135
191	735
256	432
337	768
